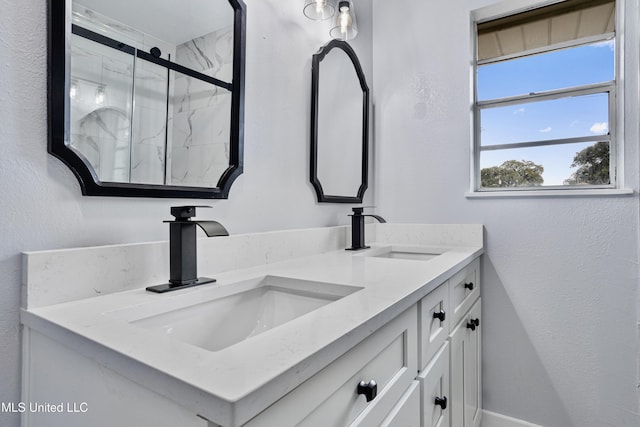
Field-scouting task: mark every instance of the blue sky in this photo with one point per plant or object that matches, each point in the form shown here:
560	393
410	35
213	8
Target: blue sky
562	118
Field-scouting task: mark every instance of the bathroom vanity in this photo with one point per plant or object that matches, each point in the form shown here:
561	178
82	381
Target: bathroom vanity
295	331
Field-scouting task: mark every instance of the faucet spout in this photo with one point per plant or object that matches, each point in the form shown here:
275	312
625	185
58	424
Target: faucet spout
378	217
212	228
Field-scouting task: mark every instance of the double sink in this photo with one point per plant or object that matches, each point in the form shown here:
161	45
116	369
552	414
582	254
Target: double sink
226	314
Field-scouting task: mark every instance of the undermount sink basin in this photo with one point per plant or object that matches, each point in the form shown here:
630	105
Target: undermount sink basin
405	252
253	306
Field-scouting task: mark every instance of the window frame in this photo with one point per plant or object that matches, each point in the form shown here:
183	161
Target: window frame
612	88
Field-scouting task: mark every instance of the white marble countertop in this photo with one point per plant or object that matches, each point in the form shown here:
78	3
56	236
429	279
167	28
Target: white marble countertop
232	385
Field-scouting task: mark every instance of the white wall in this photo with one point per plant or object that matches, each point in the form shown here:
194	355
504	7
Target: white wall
560	275
40	202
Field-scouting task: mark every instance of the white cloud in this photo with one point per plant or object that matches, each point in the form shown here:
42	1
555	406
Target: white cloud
546	130
600	127
608	43
519	110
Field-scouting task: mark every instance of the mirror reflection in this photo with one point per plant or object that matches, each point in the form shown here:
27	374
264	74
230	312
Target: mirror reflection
340	126
139	118
146	98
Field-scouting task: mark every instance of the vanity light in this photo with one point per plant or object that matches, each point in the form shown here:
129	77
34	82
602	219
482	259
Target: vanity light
345	28
319	10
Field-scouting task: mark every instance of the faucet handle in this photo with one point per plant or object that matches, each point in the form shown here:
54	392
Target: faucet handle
357	210
185	212
360	209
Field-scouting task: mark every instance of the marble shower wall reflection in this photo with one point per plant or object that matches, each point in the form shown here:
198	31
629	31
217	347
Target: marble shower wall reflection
135	121
202	112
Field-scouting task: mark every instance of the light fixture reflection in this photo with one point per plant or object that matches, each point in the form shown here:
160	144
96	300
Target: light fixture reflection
100	95
345	28
73	90
319	10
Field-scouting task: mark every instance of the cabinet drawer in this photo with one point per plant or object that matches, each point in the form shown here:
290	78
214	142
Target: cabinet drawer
434	381
330	398
464	290
433	328
406	413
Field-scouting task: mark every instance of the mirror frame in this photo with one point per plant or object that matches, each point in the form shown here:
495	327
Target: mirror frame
315	83
59	49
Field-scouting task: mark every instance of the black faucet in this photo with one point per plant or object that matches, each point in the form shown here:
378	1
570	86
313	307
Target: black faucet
183	260
357	228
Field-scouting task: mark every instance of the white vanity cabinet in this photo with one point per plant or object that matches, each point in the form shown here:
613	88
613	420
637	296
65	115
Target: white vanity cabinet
404	330
87	393
427	369
329	398
450	352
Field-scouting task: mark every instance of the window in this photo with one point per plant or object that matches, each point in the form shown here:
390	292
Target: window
545	107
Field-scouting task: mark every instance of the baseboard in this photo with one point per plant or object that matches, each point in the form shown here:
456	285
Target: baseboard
491	419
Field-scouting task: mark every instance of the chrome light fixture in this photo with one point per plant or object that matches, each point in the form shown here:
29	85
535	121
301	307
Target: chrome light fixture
345	27
319	10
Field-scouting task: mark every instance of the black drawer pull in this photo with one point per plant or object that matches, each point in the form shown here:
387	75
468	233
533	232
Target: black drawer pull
473	323
441	315
469	286
442	402
370	390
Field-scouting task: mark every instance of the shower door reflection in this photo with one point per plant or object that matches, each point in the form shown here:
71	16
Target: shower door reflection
101	107
149	111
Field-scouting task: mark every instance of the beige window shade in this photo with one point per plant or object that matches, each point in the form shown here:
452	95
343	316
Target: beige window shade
536	29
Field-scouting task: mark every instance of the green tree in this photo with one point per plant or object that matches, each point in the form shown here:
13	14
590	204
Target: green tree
513	173
592	164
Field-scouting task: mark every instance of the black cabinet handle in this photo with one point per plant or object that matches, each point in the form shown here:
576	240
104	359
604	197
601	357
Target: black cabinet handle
370	389
473	323
469	286
441	315
442	402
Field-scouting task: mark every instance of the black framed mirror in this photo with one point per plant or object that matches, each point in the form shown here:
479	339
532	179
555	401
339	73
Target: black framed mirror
339	125
146	99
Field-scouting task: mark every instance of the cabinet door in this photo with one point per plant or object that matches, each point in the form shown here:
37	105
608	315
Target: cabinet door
464	291
466	380
434	382
433	329
472	368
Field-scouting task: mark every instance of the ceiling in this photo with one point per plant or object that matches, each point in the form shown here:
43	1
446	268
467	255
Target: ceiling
173	21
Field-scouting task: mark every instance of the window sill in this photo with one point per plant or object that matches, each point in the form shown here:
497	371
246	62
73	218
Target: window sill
612	192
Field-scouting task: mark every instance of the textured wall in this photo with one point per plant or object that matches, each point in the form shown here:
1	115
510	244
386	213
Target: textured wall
560	275
40	202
